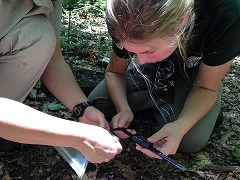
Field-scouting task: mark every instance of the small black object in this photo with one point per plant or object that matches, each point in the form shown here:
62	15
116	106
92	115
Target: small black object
79	109
147	145
135	138
8	146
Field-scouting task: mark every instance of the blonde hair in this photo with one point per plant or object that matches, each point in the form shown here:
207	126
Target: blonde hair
143	20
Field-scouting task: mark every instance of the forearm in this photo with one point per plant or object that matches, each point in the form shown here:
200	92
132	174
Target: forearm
117	89
27	125
203	95
197	104
59	79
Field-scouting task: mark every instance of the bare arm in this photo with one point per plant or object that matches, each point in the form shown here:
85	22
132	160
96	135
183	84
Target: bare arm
116	85
203	95
24	124
115	82
59	79
27	125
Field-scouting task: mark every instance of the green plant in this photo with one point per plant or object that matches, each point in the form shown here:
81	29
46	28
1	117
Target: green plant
18	161
101	4
72	4
236	152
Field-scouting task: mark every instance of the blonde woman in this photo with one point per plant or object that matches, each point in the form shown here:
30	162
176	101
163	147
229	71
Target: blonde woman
30	48
183	50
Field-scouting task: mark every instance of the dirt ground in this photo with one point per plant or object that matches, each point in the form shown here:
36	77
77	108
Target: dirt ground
215	161
220	159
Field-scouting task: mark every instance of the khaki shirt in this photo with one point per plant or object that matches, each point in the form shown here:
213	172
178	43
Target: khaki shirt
12	11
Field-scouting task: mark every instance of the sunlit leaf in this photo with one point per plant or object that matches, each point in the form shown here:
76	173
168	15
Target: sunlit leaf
54	106
236	152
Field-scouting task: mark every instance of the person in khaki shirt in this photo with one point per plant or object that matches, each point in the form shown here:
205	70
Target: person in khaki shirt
30	49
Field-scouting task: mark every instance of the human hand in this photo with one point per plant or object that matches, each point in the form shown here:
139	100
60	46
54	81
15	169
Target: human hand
93	116
166	140
122	120
98	144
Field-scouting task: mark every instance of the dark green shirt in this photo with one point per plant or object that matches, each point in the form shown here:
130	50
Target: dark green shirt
216	33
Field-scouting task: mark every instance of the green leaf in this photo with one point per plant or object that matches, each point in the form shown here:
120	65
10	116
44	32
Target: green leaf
202	158
54	106
44	108
18	160
33	93
236	152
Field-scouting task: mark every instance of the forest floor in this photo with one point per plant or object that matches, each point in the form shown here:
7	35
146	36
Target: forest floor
220	159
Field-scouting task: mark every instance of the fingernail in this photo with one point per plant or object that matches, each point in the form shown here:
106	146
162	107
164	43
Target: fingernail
150	139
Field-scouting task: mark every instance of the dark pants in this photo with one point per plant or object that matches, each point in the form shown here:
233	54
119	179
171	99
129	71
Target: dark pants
6	145
166	109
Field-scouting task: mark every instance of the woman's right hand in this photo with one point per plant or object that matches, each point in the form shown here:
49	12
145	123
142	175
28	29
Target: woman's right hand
98	145
122	120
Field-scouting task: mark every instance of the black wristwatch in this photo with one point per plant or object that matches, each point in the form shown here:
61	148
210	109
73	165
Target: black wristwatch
79	109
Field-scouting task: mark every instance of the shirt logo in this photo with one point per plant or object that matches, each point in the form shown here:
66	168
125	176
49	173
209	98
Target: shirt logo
193	61
119	46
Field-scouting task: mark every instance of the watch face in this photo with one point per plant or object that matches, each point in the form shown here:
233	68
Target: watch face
79	109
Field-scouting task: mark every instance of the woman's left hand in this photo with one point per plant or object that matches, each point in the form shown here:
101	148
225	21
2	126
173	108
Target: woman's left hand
93	116
166	140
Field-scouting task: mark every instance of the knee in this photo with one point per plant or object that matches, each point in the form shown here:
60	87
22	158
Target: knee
191	146
192	143
34	33
199	134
